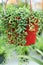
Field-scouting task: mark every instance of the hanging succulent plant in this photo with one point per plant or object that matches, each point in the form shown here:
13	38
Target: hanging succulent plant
20	25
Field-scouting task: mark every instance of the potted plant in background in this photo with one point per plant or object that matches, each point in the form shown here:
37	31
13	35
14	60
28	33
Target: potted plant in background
2	44
4	47
2	51
2	56
39	45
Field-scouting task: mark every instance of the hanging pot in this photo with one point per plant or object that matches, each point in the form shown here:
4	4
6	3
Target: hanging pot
31	37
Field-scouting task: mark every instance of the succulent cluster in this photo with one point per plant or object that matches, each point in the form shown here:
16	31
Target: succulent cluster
15	23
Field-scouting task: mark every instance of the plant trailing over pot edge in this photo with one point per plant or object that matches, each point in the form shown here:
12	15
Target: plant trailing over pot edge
20	25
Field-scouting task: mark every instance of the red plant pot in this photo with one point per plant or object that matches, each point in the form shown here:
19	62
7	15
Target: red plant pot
31	37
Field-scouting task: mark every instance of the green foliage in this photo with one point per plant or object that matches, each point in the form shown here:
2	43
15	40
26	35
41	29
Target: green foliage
40	17
2	44
39	43
22	50
0	8
16	19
